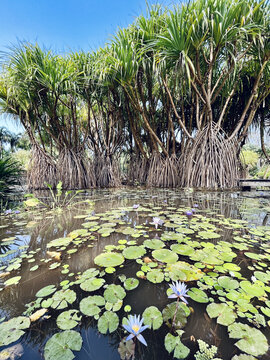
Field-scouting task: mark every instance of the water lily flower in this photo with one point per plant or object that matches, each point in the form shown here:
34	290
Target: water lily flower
193	210
157	221
7	212
135	206
17	212
135	328
189	213
179	291
196	205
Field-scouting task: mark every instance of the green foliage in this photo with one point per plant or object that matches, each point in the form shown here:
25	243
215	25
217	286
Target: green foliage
206	352
22	157
10	172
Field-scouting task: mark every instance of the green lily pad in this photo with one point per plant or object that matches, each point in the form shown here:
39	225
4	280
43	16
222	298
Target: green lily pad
225	315
252	341
134	252
182	249
165	255
12	329
59	346
155	276
184	271
113	293
252	289
90	305
68	319
131	283
182	313
109	321
59	242
152	317
13	281
109	259
243	357
173	343
62	298
154	244
92	284
228	283
198	295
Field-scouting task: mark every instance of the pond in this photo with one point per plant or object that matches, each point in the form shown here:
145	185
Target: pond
80	272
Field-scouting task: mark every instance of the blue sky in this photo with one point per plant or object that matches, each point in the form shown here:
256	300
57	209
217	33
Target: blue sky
63	25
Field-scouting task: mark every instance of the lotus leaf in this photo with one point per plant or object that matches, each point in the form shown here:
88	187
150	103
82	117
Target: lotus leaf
198	295
225	315
165	255
134	252
59	346
243	357
92	284
155	276
68	319
12	329
131	283
152	317
113	293
109	321
252	289
262	276
228	283
252	341
109	259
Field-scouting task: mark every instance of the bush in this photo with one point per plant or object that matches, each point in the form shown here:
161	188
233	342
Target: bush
22	157
10	172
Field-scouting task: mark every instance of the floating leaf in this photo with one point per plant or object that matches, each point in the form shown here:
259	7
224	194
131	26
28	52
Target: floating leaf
165	255
252	289
252	341
228	283
109	259
13	281
109	321
90	305
154	244
46	291
134	252
225	315
155	276
12	329
12	352
92	284
184	271
59	346
131	283
68	319
113	293
62	298
198	295
173	343
182	313
152	317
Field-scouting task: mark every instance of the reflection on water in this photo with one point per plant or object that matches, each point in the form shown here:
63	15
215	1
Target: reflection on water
33	231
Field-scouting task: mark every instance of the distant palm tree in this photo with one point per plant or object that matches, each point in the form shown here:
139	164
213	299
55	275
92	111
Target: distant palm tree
5	136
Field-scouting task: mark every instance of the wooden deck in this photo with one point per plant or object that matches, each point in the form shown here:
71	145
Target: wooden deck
248	184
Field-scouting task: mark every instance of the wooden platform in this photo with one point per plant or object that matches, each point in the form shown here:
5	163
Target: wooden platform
248	184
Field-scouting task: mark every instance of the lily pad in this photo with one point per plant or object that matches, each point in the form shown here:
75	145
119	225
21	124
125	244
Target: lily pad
152	317
92	284
228	283
134	252
13	281
113	293
252	289
109	321
225	315
155	276
174	344
165	255
198	295
59	346
131	283
68	319
182	313
109	259
62	298
90	305
12	329
154	244
252	341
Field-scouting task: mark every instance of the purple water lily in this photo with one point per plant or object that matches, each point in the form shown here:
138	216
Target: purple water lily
135	328
189	213
196	205
179	291
17	212
157	221
7	212
135	206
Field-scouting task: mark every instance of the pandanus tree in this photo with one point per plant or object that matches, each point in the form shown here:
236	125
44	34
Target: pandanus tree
207	43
